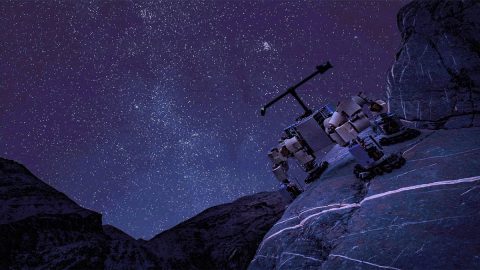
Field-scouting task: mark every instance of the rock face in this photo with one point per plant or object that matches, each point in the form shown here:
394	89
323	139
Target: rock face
424	215
41	228
435	80
222	237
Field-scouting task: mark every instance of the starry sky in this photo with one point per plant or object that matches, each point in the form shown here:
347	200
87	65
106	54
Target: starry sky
148	111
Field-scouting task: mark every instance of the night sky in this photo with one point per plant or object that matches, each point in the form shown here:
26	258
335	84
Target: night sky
148	112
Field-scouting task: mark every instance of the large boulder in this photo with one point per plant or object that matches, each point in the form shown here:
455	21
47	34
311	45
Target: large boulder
435	80
424	215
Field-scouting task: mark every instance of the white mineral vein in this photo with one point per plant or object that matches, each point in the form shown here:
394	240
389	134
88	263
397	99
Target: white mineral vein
420	249
468	190
303	256
293	255
263	256
284	262
365	262
407	172
369	198
309	210
399	226
449	155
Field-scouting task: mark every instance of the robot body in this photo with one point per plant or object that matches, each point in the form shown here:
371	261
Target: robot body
311	129
300	142
345	127
367	155
315	130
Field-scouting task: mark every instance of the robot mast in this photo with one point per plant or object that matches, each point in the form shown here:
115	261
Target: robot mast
292	91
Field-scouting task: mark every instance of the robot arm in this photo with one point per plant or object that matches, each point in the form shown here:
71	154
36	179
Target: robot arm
378	107
290	147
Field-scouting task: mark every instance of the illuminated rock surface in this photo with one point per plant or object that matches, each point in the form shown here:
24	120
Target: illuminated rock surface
424	215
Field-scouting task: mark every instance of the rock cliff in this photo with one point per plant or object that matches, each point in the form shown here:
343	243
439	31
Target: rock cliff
424	215
435	80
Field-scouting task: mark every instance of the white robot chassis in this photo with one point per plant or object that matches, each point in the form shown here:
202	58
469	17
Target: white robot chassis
315	130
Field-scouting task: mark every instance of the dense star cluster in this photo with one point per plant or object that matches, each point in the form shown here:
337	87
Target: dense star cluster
148	112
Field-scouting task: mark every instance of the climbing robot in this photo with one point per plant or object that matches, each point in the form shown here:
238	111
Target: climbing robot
345	128
343	125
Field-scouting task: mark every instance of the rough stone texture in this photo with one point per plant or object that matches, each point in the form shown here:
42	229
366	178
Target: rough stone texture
222	237
41	228
424	215
124	252
435	80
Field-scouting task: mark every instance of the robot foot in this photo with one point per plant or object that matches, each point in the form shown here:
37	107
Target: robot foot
294	190
315	174
394	161
405	135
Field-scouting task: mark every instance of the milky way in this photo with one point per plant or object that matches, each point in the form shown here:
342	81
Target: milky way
148	112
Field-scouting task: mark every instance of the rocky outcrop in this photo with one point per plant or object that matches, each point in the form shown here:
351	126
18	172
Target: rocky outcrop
41	228
424	215
221	237
435	80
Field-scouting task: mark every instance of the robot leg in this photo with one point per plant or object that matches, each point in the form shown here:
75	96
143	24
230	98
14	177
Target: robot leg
280	172
391	129
316	172
307	162
372	160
